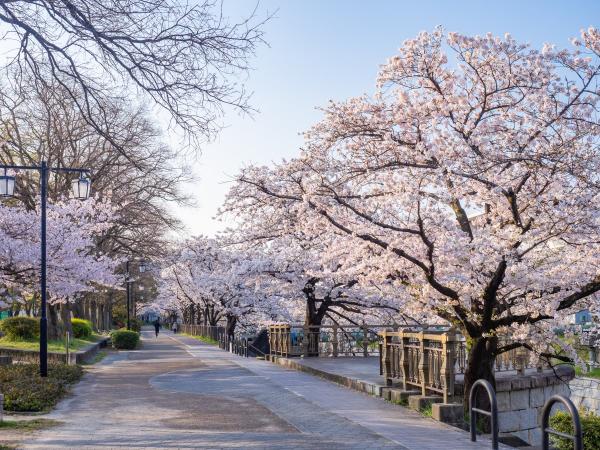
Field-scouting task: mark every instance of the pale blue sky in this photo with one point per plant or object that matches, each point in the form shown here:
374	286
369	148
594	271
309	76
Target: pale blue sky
321	50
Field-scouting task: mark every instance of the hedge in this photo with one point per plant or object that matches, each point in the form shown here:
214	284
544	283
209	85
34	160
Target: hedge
82	329
590	423
124	339
25	391
20	327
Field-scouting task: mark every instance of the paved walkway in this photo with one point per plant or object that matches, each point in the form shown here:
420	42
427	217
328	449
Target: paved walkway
176	392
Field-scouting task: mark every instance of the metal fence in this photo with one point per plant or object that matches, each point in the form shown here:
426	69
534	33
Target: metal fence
430	360
325	340
235	344
216	333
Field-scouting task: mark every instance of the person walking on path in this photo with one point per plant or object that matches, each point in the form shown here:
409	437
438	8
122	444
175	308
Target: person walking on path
175	327
156	326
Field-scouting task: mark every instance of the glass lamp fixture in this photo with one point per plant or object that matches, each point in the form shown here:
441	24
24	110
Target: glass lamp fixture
81	187
7	185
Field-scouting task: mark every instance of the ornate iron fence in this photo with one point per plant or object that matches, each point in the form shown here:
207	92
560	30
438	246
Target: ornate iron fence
325	340
429	360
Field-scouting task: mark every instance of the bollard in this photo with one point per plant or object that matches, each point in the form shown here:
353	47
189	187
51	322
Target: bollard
492	413
576	437
68	344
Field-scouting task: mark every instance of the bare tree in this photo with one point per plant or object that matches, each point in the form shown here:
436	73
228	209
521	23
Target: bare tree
184	57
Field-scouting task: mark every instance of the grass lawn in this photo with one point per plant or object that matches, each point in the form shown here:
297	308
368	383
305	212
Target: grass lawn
594	373
204	339
53	346
28	425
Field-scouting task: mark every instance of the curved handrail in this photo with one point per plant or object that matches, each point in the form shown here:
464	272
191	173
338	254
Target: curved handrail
577	438
492	413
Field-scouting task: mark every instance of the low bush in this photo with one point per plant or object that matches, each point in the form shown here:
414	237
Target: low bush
590	423
25	391
82	329
20	327
136	324
124	339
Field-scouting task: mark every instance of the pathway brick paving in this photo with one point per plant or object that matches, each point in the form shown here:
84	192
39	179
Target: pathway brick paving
176	392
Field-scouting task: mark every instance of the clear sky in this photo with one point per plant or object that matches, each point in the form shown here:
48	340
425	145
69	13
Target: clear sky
321	50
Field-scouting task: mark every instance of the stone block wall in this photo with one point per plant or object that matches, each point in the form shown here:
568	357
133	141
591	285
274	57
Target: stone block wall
585	393
521	399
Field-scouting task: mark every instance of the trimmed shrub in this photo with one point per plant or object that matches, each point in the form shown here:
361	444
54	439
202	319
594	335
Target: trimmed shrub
124	339
20	327
136	324
24	390
82	329
590	424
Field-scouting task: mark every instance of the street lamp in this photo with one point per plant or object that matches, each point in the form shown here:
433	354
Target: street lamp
7	185
129	290
7	188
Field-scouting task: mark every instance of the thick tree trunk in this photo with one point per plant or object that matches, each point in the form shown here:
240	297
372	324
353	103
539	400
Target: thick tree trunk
482	354
93	318
230	326
77	309
53	323
65	318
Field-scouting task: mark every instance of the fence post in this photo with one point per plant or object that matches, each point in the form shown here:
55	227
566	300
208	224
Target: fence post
404	362
385	357
68	344
365	339
447	368
423	364
305	340
334	342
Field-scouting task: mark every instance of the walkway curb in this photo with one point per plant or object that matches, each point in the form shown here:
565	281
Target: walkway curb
365	387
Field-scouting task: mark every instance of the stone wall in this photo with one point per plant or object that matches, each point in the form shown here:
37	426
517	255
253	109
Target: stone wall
522	397
585	393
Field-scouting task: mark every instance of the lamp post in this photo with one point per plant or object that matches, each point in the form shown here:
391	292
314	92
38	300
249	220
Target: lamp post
129	282
81	190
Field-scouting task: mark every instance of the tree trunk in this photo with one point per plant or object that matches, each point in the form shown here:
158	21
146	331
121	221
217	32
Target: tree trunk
65	318
77	308
93	319
230	326
480	365
53	324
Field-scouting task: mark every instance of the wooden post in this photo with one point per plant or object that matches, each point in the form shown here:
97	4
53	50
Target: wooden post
385	358
334	342
365	340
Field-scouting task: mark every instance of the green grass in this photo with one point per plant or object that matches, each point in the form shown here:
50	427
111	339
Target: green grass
57	346
28	425
99	357
427	410
594	373
204	339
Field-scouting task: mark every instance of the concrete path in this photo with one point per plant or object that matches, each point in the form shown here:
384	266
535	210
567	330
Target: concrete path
176	392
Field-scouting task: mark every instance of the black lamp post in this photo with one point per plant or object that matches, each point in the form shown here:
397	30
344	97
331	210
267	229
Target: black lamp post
129	282
81	190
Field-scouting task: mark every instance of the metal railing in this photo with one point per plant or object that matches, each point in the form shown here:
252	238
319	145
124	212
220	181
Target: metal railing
423	360
492	413
429	360
576	437
215	333
325	340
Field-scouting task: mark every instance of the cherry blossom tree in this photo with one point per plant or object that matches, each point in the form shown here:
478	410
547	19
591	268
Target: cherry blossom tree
471	182
202	275
73	264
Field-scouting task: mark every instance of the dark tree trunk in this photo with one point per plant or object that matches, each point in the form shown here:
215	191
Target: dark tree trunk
230	326
93	318
480	365
53	323
65	318
77	308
